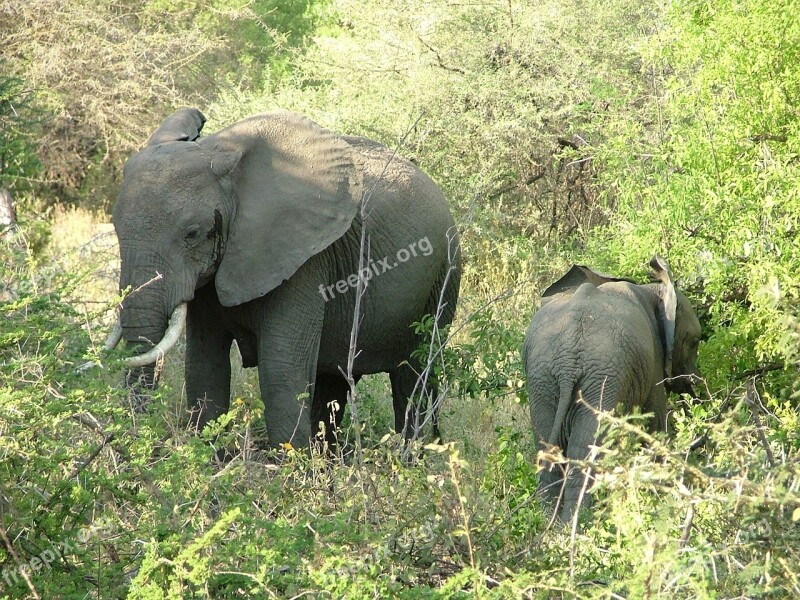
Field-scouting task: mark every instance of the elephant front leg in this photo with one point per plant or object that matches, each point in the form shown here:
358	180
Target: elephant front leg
288	350
208	366
286	382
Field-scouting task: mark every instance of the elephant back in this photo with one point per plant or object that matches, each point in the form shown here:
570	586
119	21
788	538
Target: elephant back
390	177
575	278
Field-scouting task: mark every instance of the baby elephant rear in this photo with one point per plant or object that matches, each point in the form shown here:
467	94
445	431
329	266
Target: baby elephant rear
603	343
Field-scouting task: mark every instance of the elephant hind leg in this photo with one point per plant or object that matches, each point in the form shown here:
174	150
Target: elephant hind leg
552	478
579	480
543	404
327	407
411	394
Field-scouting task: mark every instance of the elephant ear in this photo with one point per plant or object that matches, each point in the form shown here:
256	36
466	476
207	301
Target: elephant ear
296	189
183	125
574	278
667	307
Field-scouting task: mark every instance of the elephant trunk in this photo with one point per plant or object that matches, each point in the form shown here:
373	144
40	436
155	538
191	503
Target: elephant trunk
154	312
142	370
682	384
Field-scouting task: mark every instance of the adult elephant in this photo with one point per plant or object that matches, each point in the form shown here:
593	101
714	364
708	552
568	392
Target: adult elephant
274	232
601	343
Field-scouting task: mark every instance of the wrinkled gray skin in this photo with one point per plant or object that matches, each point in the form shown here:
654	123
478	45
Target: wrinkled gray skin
610	342
250	226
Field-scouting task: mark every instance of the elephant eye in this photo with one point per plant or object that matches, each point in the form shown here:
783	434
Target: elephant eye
193	233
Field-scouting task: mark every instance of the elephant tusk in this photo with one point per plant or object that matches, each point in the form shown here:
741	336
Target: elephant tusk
171	337
114	336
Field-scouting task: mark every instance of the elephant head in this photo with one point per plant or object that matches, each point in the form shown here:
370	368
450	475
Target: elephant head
244	208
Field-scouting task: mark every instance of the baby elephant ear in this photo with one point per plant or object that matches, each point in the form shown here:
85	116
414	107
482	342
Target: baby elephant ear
667	307
183	125
574	278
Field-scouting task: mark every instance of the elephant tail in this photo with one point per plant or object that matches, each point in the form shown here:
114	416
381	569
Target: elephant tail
567	394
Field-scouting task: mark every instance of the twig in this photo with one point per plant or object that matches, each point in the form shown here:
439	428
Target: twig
20	566
204	493
107	439
462	506
687	526
769	137
574	531
517	508
751	398
514	184
557	507
593	452
744	489
158	277
113	440
436	345
439	62
760	370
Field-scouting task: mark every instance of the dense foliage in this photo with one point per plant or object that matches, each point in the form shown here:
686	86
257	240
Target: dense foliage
714	183
562	131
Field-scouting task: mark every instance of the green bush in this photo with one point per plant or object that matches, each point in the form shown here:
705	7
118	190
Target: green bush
712	183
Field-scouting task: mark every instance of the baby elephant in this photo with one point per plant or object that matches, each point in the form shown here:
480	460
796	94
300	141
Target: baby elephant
599	343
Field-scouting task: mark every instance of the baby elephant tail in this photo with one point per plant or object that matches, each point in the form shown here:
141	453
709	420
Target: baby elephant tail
558	435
